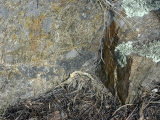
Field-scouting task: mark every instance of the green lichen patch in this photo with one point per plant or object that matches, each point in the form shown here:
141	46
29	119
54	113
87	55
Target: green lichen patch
140	7
152	50
121	51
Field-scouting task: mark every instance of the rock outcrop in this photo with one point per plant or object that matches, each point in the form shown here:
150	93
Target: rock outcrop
42	42
130	50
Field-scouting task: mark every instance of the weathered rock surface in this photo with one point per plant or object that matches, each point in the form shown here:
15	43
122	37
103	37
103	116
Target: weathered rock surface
42	42
130	51
144	75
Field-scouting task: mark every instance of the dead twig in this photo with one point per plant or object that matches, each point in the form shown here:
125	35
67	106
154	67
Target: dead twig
121	108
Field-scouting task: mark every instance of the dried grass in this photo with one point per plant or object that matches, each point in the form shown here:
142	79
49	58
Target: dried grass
77	98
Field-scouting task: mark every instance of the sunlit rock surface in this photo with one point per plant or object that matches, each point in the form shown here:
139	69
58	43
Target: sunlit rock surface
42	42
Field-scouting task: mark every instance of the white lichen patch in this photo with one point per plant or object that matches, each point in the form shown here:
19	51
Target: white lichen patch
72	54
125	48
140	7
121	51
152	50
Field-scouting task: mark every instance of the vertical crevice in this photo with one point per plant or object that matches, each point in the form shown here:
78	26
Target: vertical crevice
123	74
109	65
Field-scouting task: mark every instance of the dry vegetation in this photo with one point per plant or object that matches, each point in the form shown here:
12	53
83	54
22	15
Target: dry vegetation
79	98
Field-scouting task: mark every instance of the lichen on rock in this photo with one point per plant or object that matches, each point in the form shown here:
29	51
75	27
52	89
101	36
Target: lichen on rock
42	42
140	7
121	51
150	51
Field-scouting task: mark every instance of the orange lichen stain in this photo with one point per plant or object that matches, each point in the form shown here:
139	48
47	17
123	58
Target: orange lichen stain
42	16
31	36
28	23
97	17
20	13
94	30
14	37
64	1
35	60
53	5
3	73
32	22
46	36
36	24
36	38
34	27
59	6
55	26
49	43
16	5
8	4
36	35
56	7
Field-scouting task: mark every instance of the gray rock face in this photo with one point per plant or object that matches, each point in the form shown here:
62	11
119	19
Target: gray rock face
47	24
4	12
8	59
34	8
72	64
42	42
